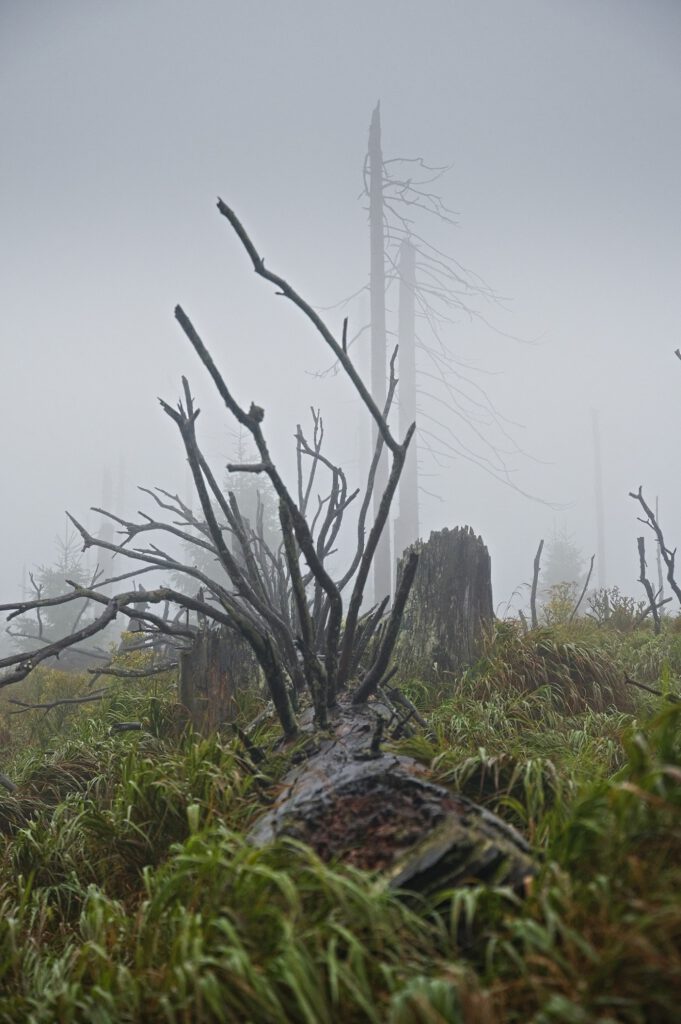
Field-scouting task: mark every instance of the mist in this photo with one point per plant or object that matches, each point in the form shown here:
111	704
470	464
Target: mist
121	125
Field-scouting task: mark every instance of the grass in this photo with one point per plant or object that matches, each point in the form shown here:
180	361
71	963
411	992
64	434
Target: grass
128	893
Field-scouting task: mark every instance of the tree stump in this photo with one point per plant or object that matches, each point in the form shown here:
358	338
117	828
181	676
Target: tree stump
449	605
211	672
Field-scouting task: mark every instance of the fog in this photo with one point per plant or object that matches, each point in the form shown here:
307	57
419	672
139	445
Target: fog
121	124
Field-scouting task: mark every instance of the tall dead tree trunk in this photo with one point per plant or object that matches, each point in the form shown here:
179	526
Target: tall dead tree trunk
449	605
407	524
600	508
106	532
382	561
658	556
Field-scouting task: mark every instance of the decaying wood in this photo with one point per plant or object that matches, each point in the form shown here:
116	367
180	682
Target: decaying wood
211	673
286	604
448	608
373	809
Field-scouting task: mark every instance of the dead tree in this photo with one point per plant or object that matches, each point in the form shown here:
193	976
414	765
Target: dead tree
535	582
449	606
212	672
379	344
353	802
286	604
407	524
668	556
647	585
312	644
598	495
436	293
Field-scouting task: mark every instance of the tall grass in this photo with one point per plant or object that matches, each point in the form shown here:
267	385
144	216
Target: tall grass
128	892
578	673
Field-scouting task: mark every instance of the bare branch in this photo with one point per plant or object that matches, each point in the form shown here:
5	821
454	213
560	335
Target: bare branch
376	673
668	556
22	664
286	290
135	673
92	698
647	586
535	581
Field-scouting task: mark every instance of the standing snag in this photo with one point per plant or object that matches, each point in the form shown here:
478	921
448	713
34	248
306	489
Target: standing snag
449	605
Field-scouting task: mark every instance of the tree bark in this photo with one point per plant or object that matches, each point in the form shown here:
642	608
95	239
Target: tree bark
535	581
211	672
600	505
382	562
449	605
352	802
407	523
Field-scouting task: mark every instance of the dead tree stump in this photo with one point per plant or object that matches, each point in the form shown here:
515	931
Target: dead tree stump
449	605
211	672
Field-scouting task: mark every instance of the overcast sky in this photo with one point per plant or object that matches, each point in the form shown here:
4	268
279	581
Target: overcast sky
121	122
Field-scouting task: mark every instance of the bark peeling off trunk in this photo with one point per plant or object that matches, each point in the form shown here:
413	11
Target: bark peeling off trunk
379	811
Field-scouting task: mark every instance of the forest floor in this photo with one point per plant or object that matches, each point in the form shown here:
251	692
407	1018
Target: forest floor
128	892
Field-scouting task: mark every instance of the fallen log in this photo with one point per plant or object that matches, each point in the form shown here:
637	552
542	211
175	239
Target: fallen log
355	803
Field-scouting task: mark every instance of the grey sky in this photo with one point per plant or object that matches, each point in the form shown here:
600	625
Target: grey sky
121	122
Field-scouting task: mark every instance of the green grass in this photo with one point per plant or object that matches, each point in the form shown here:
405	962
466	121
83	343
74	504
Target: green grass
128	893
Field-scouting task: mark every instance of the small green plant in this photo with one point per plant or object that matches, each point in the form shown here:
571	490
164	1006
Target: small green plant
609	607
559	603
578	674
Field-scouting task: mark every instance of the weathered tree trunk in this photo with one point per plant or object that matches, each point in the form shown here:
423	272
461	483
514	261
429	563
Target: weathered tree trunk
382	562
407	523
350	801
449	605
600	507
211	672
106	533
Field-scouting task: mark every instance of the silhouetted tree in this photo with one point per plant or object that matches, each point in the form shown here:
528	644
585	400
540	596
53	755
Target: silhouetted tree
564	562
455	417
48	582
285	603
